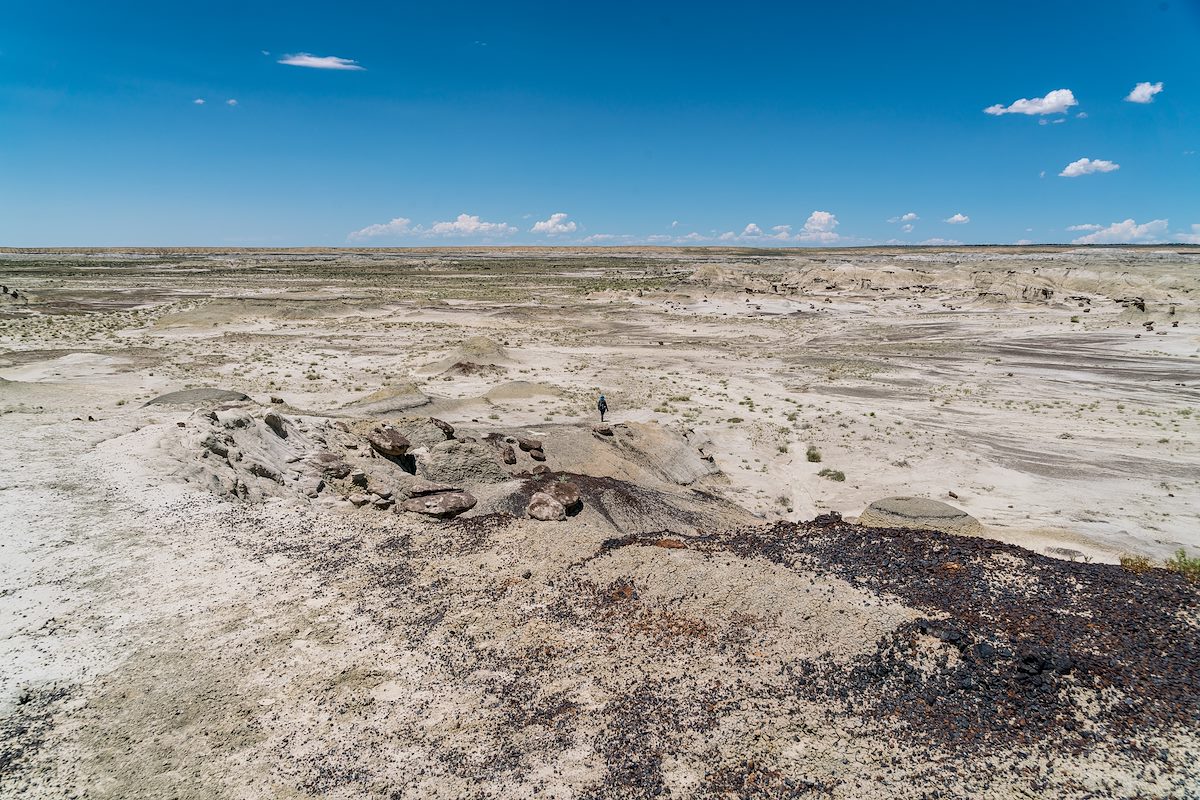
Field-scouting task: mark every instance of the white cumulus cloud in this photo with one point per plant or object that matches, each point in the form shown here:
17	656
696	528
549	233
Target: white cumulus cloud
231	102
958	219
752	230
320	62
397	227
470	225
557	225
1144	92
1087	226
1086	166
199	101
1055	102
819	228
911	216
1125	232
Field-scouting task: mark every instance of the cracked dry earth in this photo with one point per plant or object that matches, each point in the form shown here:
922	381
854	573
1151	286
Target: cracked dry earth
191	606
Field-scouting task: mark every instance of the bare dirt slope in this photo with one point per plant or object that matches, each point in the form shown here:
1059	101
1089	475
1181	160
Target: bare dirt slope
191	606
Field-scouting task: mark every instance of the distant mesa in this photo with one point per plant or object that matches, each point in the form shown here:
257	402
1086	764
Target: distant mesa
198	397
920	513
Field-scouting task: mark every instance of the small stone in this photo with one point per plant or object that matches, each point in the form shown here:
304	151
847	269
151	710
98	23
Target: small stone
537	455
358	499
277	400
445	427
508	454
528	444
602	430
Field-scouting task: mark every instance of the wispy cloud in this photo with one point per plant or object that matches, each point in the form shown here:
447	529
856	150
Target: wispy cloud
911	216
320	62
231	102
1084	227
606	238
397	227
944	242
1086	166
1190	238
958	219
1127	232
1055	102
1144	92
199	101
557	225
907	228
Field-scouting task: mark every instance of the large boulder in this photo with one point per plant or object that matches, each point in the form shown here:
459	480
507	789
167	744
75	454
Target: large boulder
544	507
423	431
527	444
462	463
445	504
388	441
566	493
920	513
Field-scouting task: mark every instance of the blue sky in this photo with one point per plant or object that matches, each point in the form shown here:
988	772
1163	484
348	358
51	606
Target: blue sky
747	123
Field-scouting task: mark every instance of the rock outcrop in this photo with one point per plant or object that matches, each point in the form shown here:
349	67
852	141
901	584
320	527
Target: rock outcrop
920	513
442	505
388	441
198	397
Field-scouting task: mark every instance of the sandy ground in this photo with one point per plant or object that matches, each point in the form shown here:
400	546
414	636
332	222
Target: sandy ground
160	641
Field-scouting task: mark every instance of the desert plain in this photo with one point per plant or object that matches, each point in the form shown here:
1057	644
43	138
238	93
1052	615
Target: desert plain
327	578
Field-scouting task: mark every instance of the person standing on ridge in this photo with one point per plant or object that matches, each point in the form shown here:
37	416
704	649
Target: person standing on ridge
603	406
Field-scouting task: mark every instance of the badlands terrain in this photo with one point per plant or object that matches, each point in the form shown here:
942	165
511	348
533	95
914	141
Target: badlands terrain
346	523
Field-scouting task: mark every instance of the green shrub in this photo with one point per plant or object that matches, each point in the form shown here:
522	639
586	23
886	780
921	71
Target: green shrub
813	454
1187	567
832	474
